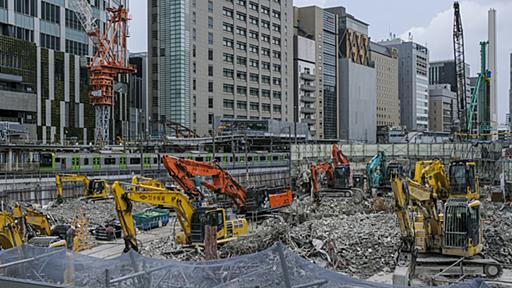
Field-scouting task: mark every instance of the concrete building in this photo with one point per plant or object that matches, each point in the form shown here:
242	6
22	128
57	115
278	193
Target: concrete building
321	26
138	100
43	78
510	94
388	101
232	59
306	100
443	72
357	81
413	83
441	107
493	67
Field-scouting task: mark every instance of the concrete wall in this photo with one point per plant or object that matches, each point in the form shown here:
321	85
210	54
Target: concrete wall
358	102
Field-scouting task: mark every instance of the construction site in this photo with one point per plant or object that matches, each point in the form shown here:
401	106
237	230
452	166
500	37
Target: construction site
246	208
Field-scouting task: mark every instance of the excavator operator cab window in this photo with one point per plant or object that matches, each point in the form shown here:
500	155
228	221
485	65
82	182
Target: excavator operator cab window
216	218
459	178
96	186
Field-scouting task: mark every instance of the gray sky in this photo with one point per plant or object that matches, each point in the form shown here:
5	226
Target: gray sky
430	24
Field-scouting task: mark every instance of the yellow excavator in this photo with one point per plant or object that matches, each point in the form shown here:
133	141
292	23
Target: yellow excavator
191	219
146	183
27	226
440	227
93	188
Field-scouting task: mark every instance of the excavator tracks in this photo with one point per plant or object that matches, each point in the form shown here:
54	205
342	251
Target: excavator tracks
355	194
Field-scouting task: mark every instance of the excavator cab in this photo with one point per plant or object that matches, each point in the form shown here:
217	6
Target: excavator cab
97	188
216	217
462	229
463	181
341	179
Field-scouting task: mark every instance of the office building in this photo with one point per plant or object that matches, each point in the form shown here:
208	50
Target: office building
493	67
229	59
306	100
388	101
43	79
321	26
138	101
357	81
413	83
441	107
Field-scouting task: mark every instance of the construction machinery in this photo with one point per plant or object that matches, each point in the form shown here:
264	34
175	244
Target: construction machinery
109	60
192	220
10	234
335	176
146	183
380	171
93	188
192	176
460	69
438	244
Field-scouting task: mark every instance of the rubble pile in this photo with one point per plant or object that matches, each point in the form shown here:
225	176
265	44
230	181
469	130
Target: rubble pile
498	231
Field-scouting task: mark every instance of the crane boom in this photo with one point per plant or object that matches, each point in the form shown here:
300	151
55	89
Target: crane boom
460	67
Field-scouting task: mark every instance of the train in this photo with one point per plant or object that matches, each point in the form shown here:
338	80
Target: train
96	162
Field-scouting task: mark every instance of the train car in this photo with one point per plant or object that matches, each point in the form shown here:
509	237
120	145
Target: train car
96	162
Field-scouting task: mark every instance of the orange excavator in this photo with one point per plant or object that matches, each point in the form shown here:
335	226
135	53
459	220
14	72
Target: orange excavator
338	176
185	171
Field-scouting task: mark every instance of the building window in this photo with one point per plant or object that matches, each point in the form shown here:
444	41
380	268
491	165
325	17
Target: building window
265	10
254	92
265	52
276	14
254	106
253	48
210	70
227	42
228	73
253	6
210	86
241	75
277	67
241	60
3	4
49	41
265	107
265	24
229	88
210	54
27	7
210	6
241	90
241	2
210	104
254	63
276	27
229	104
227	27
265	38
227	12
210	22
241	16
254	78
254	20
241	46
50	12
276	41
277	95
76	48
228	58
276	54
72	21
277	108
276	81
265	79
253	34
242	105
265	65
210	38
241	31
265	93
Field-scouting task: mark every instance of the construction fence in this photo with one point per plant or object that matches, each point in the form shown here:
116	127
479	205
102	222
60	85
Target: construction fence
28	266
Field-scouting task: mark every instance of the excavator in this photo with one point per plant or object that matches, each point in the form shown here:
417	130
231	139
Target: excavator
441	231
380	171
337	175
184	172
191	219
146	183
93	189
26	226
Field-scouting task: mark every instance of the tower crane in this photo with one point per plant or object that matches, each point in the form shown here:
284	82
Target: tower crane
108	62
460	68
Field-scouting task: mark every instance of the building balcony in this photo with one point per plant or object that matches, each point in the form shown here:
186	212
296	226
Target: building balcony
307	76
307	110
307	99
308	87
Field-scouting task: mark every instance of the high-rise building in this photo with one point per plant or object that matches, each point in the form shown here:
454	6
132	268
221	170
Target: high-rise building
493	67
228	59
321	26
306	101
510	93
413	83
441	112
443	72
43	79
388	101
357	80
138	101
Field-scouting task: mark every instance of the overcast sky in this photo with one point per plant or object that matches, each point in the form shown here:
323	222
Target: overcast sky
430	24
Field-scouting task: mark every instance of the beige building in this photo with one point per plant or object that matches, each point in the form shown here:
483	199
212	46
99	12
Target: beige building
388	100
441	103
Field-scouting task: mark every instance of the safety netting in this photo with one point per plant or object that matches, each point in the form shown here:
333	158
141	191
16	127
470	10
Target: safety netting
275	267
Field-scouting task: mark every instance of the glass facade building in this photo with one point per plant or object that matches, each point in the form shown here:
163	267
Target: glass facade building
329	76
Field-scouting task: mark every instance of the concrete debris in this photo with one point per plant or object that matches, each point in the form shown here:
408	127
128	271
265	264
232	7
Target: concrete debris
498	231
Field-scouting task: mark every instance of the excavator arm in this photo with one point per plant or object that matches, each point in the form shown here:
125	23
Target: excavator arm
338	157
146	183
38	221
320	168
69	178
166	198
183	171
433	174
10	235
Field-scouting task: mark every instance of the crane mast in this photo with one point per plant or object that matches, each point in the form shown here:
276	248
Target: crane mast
107	63
460	68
